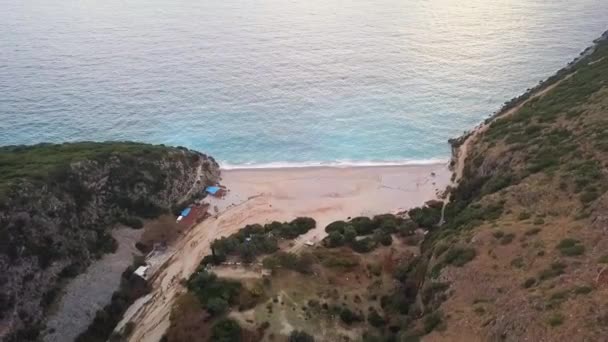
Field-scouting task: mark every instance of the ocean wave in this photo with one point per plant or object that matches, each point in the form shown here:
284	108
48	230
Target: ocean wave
336	164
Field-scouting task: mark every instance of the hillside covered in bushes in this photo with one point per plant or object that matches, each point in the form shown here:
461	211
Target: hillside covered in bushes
58	204
522	253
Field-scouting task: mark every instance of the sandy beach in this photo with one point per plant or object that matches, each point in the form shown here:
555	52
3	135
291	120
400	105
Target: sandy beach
264	195
328	194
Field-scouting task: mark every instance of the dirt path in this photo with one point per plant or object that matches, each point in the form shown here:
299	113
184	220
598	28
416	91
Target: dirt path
92	290
237	272
199	173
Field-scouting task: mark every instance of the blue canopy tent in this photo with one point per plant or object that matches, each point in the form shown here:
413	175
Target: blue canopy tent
185	212
212	190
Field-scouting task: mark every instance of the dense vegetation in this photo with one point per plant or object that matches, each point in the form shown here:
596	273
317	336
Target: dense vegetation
216	295
364	234
48	162
254	240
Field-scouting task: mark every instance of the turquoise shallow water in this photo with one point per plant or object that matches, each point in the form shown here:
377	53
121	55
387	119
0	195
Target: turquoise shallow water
273	81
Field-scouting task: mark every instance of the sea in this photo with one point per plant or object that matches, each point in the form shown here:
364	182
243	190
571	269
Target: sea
278	82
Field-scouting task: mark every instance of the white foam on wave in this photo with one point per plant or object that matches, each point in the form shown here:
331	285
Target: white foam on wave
336	164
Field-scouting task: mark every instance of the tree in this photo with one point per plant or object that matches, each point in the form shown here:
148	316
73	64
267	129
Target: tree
246	253
365	245
349	317
337	226
300	336
335	239
303	224
375	319
217	306
386	240
350	234
407	228
226	330
363	225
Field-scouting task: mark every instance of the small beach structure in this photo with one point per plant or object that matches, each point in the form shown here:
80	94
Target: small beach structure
185	212
142	272
214	191
196	214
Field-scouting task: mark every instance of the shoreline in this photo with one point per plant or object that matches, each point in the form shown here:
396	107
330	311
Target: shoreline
224	166
263	167
461	143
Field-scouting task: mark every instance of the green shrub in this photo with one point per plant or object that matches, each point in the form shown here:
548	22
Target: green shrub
589	196
556	269
498	234
217	306
497	183
532	231
507	239
335	239
364	245
529	283
375	319
226	330
435	292
407	227
350	234
538	221
349	317
440	249
582	289
556	319
570	247
363	225
432	321
303	224
459	256
603	259
425	217
300	336
524	215
337	226
382	237
387	223
479	310
517	262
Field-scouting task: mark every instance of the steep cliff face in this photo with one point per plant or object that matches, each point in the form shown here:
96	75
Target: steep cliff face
523	252
58	204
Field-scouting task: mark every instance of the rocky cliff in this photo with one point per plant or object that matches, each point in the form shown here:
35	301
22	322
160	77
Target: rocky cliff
58	204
